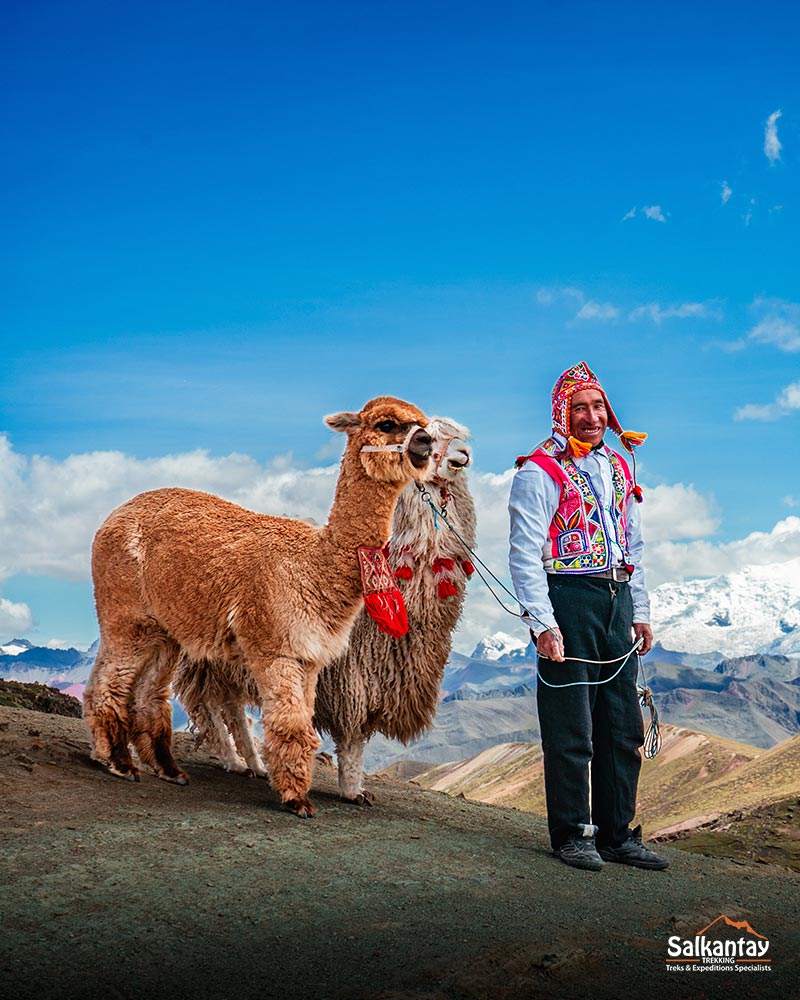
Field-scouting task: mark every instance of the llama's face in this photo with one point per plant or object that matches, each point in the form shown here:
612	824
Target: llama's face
451	450
390	437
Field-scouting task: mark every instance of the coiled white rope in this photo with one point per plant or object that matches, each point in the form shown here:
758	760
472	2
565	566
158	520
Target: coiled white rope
578	659
652	742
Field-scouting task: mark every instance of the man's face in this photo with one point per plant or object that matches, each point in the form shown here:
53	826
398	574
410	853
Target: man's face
588	418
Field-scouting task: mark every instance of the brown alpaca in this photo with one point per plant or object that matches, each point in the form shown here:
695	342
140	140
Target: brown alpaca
181	573
379	684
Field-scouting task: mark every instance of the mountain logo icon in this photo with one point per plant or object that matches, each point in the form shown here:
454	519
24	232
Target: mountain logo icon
724	945
739	925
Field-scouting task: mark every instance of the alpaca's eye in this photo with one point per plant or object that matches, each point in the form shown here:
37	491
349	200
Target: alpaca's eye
387	426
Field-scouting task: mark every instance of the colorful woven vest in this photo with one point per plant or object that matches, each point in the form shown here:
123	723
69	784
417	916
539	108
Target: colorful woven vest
577	531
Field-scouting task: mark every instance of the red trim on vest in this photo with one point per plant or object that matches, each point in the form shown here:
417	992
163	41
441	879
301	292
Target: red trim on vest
567	532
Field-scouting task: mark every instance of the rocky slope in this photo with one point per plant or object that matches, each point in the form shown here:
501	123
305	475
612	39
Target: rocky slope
130	891
39	698
697	783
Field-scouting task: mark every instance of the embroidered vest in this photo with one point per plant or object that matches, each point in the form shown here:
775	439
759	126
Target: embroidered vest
578	531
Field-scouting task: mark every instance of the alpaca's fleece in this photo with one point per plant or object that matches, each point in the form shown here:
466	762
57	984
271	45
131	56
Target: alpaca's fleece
391	686
379	684
181	574
215	695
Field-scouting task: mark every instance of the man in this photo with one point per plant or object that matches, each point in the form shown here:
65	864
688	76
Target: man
576	546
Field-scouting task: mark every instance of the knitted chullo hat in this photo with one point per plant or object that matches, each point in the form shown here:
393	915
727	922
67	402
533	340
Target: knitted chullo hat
576	379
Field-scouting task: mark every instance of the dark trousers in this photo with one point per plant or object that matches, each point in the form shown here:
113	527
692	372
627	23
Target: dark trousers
598	725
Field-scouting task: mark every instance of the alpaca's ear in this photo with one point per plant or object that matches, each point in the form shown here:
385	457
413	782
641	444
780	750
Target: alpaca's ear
343	421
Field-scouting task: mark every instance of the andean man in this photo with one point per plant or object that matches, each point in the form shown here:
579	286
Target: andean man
575	561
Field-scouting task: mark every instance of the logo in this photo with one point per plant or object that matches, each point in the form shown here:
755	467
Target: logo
725	945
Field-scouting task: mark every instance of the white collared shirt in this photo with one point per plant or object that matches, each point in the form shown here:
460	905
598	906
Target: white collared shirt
534	500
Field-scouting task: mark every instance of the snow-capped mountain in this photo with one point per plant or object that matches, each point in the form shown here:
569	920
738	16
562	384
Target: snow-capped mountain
755	610
14	647
498	646
65	669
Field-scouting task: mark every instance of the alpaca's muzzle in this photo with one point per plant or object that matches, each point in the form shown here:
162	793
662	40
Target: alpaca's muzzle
417	443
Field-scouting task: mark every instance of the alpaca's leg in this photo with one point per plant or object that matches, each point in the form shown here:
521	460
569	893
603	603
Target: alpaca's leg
289	738
237	722
197	685
350	758
213	734
106	702
151	714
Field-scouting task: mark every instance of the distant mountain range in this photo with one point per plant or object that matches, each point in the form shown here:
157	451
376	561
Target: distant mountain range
14	647
756	610
486	701
67	670
754	699
705	792
728	662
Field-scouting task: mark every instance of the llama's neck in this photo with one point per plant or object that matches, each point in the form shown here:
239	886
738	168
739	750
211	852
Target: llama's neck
362	510
415	527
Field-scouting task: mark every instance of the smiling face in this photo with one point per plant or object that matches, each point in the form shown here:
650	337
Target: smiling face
588	417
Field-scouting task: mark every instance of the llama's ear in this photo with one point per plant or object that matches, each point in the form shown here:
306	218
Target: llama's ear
343	421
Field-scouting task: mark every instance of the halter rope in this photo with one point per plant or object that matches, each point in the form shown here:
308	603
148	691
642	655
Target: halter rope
399	448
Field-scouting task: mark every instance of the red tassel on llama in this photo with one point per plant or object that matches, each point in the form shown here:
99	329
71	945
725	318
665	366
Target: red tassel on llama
382	598
445	578
404	564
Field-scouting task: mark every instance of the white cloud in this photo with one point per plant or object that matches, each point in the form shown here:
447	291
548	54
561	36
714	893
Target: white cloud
14	618
654	212
779	324
547	296
749	213
588	309
726	192
792	501
772	144
54	507
677	512
777	330
786	402
682	310
754	411
674	561
597	310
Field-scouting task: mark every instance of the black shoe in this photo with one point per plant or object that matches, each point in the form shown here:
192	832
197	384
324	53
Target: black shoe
633	852
580	852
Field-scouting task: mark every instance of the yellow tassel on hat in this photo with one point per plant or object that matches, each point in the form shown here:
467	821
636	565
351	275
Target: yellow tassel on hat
632	439
578	448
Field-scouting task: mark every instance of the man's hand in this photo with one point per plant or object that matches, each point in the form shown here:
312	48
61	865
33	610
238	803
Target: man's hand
551	645
642	630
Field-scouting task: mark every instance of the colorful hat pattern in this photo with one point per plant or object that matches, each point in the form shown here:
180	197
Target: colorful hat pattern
576	379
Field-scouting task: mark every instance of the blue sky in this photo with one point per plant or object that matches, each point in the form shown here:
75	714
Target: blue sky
222	221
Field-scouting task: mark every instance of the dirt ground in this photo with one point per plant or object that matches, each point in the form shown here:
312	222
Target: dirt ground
119	890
